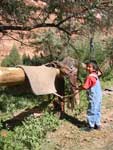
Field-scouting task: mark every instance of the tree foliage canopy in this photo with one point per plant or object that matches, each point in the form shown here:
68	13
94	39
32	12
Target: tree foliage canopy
70	16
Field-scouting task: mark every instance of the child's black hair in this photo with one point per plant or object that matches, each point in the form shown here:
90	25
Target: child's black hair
94	63
95	66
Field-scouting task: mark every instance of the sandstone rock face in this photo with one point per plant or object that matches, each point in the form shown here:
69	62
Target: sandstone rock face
21	39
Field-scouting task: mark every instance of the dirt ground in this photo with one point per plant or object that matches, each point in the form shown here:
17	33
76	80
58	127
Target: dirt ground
72	136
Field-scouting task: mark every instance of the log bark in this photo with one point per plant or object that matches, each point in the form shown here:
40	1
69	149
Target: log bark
11	76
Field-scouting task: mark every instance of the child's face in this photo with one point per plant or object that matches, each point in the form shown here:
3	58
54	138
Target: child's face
90	68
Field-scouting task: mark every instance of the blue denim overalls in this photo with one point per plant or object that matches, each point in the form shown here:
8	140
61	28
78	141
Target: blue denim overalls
95	99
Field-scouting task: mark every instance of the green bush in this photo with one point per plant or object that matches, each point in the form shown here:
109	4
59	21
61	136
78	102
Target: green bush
30	135
108	75
12	59
26	60
10	103
83	104
36	61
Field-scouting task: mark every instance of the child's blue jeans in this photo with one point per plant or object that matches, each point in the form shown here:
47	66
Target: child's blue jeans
94	113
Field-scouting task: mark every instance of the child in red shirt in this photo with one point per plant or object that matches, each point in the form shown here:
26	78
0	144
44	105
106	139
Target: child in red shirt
94	93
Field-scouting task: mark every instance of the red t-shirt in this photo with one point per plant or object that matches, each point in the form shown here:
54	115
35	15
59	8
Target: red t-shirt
89	82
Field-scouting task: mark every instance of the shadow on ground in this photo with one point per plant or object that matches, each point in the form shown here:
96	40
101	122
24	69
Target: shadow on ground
18	119
74	120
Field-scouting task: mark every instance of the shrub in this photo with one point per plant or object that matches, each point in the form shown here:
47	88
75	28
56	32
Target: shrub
30	135
12	59
26	59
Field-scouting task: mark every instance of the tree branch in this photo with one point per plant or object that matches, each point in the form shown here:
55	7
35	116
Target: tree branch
19	41
29	28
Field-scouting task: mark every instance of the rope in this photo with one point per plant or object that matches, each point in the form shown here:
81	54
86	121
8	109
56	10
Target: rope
66	96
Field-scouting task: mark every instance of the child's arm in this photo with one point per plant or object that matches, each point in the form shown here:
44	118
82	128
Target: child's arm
81	87
89	82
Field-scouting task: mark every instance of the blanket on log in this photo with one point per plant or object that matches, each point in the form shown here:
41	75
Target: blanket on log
41	78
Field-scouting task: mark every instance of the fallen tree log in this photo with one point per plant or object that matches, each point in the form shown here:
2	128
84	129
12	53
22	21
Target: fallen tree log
42	79
11	76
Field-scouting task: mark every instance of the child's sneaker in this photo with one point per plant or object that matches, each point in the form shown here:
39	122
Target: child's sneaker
97	127
89	129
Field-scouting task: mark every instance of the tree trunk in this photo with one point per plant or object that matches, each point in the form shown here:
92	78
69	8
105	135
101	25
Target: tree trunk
11	76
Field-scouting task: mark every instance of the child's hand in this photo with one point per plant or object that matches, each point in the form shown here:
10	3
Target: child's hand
79	88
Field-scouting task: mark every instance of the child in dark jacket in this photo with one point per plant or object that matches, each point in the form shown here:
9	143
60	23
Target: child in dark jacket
94	93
